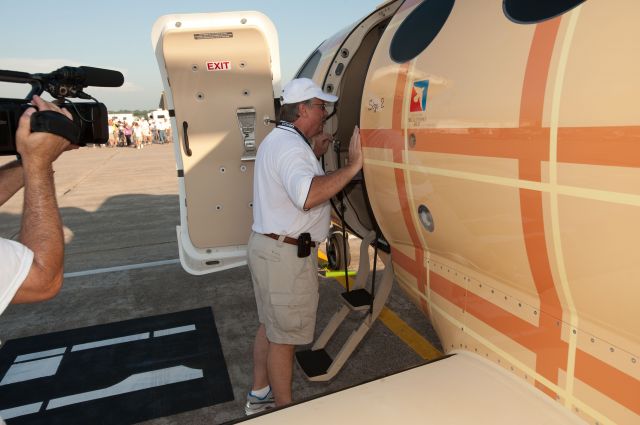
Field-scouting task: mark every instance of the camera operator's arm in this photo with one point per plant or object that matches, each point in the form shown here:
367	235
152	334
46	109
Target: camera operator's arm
12	180
41	229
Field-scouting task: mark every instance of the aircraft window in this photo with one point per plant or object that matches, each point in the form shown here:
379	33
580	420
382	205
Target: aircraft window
419	29
533	11
309	67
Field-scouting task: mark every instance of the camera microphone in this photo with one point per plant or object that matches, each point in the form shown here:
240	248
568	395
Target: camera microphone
89	76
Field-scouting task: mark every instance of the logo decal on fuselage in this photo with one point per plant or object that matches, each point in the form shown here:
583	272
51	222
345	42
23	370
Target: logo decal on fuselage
419	96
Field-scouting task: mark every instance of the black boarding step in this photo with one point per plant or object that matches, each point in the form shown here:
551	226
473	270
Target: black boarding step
358	299
314	362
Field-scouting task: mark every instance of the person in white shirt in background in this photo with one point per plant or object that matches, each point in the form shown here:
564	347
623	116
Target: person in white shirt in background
137	135
161	127
146	131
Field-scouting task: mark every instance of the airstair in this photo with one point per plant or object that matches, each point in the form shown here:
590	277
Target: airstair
316	363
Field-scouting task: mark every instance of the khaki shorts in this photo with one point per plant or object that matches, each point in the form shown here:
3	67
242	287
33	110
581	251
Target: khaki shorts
286	289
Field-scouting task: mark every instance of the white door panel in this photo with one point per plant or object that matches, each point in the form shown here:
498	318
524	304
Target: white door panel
220	72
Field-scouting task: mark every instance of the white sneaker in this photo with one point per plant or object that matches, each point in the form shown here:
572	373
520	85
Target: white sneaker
257	404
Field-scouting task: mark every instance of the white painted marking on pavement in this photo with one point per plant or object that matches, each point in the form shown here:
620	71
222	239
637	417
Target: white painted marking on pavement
20	372
14	412
122	268
172	331
39	354
111	341
137	382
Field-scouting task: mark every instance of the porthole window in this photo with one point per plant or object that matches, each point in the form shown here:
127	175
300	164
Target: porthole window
419	29
426	218
533	11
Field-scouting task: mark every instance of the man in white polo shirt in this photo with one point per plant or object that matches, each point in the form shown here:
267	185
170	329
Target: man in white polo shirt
31	270
291	216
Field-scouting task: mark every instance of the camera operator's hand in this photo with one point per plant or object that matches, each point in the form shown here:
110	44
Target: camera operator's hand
40	149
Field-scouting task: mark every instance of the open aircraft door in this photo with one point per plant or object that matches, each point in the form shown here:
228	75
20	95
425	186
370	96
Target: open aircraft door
220	73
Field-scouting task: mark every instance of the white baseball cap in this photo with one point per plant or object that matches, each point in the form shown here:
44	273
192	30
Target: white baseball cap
301	89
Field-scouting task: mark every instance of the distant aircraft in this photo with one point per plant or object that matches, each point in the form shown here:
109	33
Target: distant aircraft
502	173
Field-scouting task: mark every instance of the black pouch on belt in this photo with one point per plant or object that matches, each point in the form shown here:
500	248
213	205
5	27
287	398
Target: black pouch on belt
304	245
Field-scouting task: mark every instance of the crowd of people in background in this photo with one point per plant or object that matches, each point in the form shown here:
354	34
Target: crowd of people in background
140	132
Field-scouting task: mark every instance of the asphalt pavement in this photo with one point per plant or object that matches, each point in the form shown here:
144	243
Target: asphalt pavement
120	211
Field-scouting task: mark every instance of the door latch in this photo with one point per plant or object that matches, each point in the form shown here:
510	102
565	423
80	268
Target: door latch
247	123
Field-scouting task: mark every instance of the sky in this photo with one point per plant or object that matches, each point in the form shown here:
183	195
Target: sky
41	36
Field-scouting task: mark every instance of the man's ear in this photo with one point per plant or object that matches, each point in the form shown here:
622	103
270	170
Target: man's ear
302	109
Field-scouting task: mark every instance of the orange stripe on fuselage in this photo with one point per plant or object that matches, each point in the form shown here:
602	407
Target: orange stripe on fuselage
396	143
606	146
534	238
551	351
617	146
384	139
414	267
398	96
536	74
406	208
514	143
535	243
529	144
535	338
611	146
608	380
532	100
406	262
543	340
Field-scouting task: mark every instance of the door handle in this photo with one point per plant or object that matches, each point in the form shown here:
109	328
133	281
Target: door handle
187	149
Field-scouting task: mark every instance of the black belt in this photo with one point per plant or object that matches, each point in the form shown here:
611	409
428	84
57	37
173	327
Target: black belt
287	239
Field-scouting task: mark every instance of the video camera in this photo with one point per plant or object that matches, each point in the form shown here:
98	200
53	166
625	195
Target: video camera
90	119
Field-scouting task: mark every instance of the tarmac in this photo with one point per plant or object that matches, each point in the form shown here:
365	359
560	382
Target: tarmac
120	211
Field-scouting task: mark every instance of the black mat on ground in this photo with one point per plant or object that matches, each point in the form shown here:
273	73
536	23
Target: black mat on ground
117	373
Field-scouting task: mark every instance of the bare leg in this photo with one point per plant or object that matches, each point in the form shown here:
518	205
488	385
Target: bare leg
280	367
260	353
